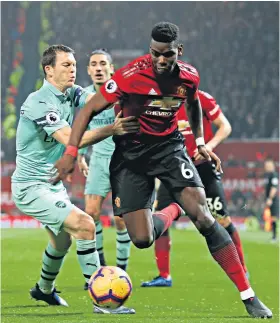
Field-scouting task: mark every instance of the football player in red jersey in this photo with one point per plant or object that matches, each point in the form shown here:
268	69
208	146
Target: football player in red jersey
153	88
211	180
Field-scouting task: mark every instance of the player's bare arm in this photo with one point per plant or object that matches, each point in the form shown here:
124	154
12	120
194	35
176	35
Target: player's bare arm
65	165
194	113
272	194
223	131
121	126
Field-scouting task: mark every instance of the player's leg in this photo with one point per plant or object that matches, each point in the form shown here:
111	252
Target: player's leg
93	208
235	237
274	211
50	205
97	187
217	204
193	200
133	196
123	243
162	245
53	258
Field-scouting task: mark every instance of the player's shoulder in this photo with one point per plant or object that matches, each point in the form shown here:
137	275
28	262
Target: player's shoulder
141	64
188	72
205	96
90	89
37	100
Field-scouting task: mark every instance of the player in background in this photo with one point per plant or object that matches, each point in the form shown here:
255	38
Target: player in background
271	194
211	179
153	88
100	68
42	134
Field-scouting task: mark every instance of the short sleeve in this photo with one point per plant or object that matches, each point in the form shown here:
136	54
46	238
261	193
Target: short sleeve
78	95
112	90
44	115
209	106
274	181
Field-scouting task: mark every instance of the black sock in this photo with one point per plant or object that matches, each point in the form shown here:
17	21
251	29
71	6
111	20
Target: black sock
230	228
273	230
216	237
102	259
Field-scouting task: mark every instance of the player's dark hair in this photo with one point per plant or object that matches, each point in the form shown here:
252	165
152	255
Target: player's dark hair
102	51
49	55
165	32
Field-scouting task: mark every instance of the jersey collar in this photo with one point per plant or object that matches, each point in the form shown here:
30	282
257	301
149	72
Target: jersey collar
61	96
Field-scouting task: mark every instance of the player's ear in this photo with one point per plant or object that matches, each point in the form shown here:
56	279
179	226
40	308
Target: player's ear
112	69
49	70
180	49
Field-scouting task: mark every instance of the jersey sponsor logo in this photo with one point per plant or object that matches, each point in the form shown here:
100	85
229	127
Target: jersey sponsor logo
111	86
159	113
52	118
166	103
118	202
60	204
152	92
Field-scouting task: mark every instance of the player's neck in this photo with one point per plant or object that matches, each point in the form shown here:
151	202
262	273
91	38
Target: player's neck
59	87
97	87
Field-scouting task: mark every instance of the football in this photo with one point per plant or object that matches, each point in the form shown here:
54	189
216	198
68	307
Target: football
109	287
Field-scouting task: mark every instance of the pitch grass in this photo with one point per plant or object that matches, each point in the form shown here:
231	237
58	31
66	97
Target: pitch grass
201	292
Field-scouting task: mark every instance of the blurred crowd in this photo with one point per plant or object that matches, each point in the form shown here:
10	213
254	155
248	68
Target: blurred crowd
234	45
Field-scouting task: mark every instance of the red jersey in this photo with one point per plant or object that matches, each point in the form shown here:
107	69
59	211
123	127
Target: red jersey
210	109
154	100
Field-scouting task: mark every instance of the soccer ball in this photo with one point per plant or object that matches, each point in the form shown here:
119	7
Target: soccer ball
109	287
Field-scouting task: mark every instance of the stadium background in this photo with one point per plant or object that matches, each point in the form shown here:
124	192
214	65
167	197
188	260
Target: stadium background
235	47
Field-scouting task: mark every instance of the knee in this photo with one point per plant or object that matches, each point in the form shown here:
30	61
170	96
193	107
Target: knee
142	243
93	211
85	227
120	224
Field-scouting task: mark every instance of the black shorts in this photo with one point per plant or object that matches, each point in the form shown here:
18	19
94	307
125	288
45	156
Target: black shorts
274	208
214	191
134	167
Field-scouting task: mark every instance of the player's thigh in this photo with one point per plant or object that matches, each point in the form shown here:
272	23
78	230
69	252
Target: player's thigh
214	190
94	205
180	177
164	197
119	222
131	191
47	203
62	241
98	179
140	227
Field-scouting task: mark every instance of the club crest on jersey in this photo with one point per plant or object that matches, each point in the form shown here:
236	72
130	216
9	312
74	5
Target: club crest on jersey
52	118
111	86
118	202
182	90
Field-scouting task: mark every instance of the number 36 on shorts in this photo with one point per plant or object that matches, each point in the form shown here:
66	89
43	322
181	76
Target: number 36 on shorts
214	203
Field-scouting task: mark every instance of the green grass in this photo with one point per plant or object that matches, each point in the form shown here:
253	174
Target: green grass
201	292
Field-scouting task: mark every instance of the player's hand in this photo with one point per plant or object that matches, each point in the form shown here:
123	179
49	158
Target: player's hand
204	153
65	166
126	125
82	164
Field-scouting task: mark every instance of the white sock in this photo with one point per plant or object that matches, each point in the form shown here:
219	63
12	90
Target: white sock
247	294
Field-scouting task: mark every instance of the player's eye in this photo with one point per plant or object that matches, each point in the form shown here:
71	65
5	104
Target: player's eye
168	54
155	53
